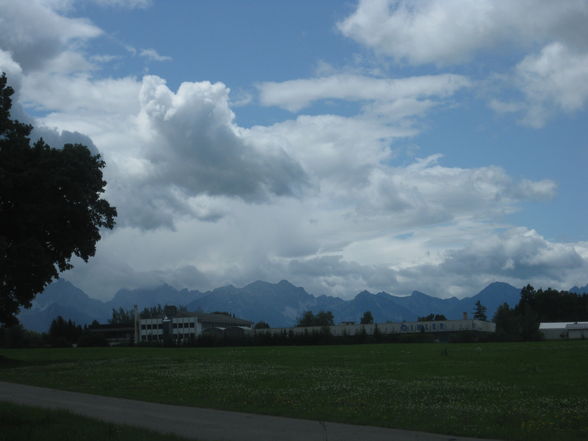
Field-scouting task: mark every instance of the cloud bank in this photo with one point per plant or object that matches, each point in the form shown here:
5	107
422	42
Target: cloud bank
327	200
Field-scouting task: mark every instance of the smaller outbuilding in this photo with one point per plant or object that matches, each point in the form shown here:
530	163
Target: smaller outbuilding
564	330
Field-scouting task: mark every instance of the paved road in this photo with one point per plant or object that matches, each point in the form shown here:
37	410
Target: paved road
205	424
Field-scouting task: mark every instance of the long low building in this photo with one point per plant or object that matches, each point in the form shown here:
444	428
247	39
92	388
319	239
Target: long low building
186	327
564	330
440	326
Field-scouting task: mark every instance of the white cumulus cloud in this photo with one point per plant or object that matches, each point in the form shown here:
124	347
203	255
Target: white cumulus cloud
556	78
452	31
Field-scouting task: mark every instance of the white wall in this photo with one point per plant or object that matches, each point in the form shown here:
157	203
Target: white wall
393	328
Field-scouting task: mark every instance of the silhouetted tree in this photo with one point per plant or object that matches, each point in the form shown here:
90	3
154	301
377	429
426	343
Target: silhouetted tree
367	318
261	325
50	209
325	318
307	319
527	315
431	318
535	306
122	316
508	325
170	310
64	333
480	311
18	337
152	312
322	318
159	311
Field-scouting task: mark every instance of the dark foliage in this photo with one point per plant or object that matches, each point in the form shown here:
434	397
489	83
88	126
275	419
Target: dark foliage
159	311
507	323
322	318
261	325
480	311
536	306
551	305
18	337
92	339
50	209
64	333
122	316
367	318
432	318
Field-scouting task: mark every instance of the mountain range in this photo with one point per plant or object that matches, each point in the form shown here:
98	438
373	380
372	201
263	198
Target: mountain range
279	304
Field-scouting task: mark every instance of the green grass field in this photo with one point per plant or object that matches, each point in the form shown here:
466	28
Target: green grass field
513	391
25	423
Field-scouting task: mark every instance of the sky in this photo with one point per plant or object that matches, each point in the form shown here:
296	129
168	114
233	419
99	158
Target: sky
385	145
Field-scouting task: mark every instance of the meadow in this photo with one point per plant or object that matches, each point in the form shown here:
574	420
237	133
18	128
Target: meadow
511	391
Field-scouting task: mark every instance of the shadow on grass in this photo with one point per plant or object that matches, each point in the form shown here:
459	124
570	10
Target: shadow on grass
9	363
24	423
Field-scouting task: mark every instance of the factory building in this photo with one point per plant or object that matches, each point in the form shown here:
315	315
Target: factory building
440	326
184	328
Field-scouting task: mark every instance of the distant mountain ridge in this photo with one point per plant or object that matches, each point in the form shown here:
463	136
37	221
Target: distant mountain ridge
279	304
580	289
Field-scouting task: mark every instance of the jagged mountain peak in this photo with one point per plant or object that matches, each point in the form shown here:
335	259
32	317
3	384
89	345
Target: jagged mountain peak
286	283
257	284
419	294
364	293
579	289
497	289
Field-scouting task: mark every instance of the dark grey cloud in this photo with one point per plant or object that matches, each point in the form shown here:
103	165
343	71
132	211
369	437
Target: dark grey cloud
35	34
57	138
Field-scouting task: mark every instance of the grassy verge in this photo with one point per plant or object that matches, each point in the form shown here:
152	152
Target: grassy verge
25	423
515	391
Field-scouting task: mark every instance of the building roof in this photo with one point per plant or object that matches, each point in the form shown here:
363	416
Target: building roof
563	325
203	317
579	325
222	318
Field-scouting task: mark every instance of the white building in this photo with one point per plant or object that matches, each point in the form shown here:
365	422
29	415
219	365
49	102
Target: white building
176	329
186	327
564	330
440	326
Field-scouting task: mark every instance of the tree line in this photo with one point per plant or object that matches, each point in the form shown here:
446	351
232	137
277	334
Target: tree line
536	306
62	333
326	318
